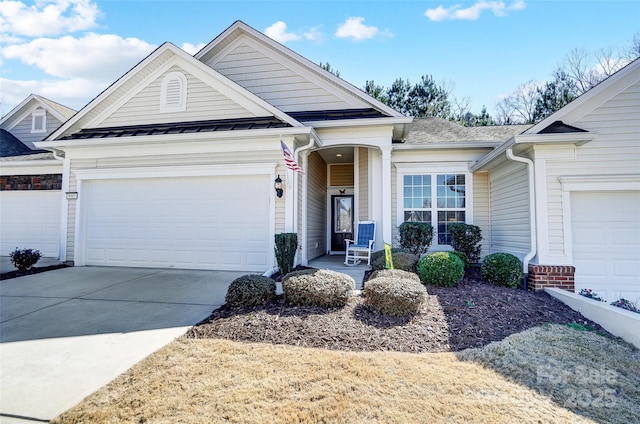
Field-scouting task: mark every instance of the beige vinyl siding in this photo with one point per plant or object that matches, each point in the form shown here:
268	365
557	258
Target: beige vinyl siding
341	175
121	91
22	130
316	207
510	216
481	216
203	103
614	151
363	184
71	218
277	83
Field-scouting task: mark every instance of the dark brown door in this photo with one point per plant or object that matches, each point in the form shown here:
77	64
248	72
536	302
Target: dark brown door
341	221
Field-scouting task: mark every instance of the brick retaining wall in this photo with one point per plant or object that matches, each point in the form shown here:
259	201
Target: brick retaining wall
560	276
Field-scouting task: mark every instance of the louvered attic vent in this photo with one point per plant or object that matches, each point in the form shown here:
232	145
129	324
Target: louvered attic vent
173	97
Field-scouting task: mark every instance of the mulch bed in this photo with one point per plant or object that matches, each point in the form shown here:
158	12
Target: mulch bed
473	314
33	270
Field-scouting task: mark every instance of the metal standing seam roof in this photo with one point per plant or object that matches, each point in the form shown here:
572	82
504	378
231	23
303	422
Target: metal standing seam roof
179	128
222	124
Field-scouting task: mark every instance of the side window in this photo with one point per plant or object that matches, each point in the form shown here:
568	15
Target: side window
38	121
173	94
439	199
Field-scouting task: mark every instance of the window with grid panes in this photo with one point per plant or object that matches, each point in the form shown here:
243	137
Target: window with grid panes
439	199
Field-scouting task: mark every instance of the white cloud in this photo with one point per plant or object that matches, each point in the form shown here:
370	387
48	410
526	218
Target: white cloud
313	34
73	93
278	32
498	8
98	57
354	28
47	17
192	48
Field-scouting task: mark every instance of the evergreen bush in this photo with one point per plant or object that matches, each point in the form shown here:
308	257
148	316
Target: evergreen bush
441	269
250	290
286	247
502	269
416	237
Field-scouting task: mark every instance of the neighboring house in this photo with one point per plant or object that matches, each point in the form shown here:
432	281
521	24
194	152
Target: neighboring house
30	178
174	165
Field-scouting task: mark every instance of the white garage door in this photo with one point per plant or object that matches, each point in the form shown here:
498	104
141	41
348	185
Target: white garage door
191	222
606	243
30	219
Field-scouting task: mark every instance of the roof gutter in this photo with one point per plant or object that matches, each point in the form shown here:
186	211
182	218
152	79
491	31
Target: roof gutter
303	232
532	213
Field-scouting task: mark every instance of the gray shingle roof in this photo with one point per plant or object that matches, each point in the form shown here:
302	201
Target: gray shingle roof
438	130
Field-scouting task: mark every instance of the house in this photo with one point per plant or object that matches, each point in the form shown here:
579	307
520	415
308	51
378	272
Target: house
30	178
174	165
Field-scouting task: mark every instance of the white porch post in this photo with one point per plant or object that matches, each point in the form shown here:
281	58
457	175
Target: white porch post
386	196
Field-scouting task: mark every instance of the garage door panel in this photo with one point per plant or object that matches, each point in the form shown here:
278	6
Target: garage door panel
191	222
606	242
30	219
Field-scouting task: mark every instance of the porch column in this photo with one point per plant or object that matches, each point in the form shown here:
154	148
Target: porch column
386	195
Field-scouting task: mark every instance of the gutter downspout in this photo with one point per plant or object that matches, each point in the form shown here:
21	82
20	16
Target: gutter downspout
303	231
532	213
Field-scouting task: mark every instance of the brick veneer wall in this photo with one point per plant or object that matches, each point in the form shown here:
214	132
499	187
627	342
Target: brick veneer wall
560	276
31	182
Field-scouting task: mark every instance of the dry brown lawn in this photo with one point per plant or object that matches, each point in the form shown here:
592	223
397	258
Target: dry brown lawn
211	381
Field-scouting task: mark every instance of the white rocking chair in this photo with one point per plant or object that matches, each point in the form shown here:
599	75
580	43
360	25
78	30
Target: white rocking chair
357	251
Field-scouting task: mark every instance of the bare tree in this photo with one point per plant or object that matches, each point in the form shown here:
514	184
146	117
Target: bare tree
520	106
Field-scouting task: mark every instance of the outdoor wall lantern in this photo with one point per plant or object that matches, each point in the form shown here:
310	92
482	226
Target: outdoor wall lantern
278	186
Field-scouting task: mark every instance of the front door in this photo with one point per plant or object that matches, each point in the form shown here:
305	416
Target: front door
341	221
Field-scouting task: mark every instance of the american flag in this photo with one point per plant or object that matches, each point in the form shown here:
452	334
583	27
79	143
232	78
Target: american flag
288	159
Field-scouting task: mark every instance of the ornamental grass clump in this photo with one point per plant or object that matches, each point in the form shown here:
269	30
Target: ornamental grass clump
401	260
502	269
251	290
395	296
441	269
317	287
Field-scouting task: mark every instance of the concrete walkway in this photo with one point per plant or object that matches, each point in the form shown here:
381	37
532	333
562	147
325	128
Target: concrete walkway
66	333
336	263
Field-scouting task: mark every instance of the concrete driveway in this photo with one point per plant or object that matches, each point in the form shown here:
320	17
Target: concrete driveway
66	333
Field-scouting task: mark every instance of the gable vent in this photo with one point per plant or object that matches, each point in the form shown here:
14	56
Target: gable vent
173	95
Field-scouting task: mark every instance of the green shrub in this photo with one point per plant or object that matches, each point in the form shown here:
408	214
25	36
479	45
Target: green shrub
250	290
24	259
394	296
466	238
441	269
317	287
416	237
463	257
380	253
395	273
286	246
401	260
502	269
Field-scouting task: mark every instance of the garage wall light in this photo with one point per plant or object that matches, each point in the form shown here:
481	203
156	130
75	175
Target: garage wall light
278	186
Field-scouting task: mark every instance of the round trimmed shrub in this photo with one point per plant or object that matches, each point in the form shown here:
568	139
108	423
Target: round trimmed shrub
463	257
502	269
401	260
317	287
250	290
380	253
395	296
441	269
395	273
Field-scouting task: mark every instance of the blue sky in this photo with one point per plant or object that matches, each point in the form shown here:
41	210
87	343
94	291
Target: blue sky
71	50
